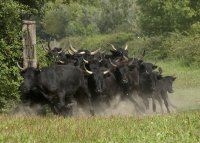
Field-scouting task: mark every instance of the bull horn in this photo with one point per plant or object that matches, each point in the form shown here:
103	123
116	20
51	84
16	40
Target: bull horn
49	46
125	57
65	49
103	52
20	67
60	52
160	70
70	52
131	62
89	72
117	60
81	53
126	47
113	47
101	59
95	52
114	65
85	61
62	62
74	50
105	72
45	48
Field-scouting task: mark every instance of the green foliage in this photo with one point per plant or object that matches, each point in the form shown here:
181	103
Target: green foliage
184	48
10	51
119	16
158	17
9	74
98	41
72	19
86	18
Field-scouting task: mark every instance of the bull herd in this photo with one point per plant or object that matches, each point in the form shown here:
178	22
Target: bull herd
88	78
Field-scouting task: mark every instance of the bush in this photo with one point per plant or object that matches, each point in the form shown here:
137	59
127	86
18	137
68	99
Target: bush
9	75
98	41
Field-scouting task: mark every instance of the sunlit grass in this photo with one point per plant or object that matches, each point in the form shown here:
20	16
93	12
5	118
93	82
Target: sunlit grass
181	127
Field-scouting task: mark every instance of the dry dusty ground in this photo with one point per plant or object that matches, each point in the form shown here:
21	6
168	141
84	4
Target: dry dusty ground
184	99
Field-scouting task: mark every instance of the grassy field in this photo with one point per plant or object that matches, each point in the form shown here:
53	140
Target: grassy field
180	126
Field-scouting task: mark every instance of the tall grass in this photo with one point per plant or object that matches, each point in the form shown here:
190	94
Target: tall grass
182	127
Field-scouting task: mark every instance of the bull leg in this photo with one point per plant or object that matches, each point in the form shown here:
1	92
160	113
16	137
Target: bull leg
145	101
153	103
64	110
160	102
137	106
90	105
89	100
164	96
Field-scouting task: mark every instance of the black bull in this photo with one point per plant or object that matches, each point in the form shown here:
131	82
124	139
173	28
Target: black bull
57	84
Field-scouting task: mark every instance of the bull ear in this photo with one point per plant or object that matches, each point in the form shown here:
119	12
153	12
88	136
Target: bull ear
160	70
174	78
154	67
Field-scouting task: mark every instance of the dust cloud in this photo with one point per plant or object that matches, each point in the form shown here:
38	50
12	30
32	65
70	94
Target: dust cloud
184	101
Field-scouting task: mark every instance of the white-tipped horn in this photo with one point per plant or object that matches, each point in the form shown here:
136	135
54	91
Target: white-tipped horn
60	52
49	46
74	50
20	67
114	65
103	51
81	53
62	62
95	52
45	48
89	72
85	61
126	47
65	49
101	59
113	47
70	52
105	72
125	57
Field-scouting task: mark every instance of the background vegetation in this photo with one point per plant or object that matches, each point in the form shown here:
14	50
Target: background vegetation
168	30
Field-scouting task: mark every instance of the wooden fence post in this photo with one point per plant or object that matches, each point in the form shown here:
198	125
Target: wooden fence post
29	44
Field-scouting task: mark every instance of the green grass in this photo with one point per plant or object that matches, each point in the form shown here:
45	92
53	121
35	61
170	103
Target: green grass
183	126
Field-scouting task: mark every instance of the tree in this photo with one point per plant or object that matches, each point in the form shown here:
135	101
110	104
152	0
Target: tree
159	16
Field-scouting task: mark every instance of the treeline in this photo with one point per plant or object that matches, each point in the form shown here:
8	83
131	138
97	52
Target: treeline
166	29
